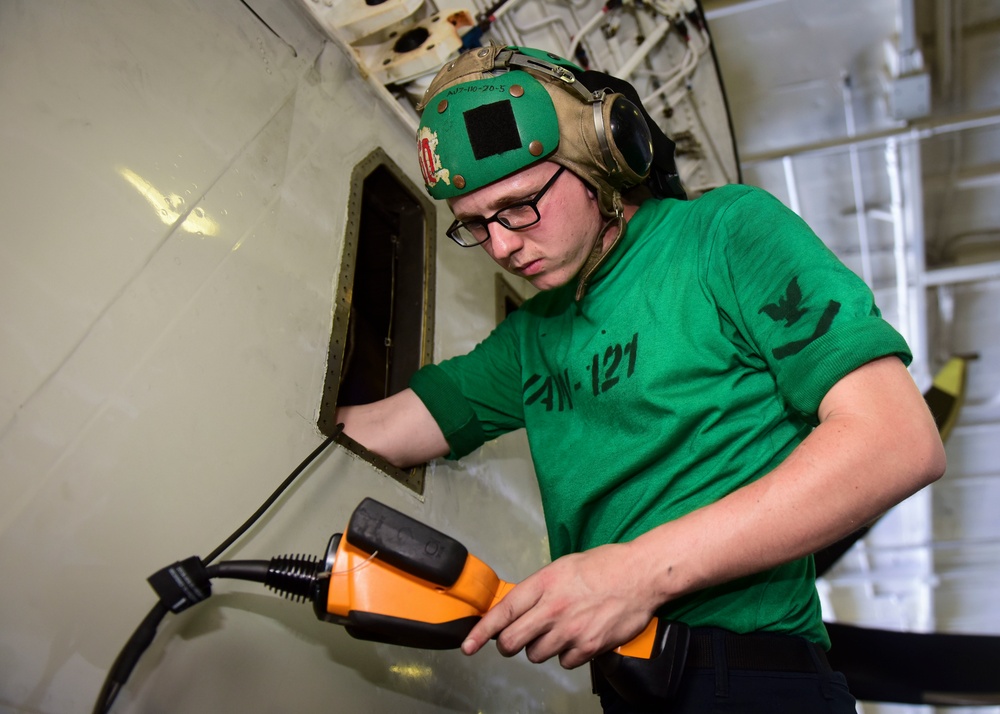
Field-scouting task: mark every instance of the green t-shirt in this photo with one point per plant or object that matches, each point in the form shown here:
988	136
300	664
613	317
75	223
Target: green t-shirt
693	365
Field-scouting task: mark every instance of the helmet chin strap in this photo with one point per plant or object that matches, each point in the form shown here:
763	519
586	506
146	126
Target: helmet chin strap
598	254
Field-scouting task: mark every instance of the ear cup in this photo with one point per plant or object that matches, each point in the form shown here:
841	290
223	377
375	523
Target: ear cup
620	126
662	180
625	139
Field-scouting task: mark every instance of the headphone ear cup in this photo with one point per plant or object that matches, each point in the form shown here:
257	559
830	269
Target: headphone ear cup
625	140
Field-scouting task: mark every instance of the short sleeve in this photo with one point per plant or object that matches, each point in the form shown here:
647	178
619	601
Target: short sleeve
476	397
807	315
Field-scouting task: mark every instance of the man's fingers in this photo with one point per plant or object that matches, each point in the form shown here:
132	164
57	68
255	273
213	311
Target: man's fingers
542	649
471	645
573	648
506	612
571	659
557	612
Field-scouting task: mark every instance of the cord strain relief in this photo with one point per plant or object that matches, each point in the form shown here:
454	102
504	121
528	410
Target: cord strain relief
293	576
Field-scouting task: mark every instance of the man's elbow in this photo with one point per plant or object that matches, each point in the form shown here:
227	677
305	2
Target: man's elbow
937	462
926	454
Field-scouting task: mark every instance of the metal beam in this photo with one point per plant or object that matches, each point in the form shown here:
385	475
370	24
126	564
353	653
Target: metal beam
915	131
963	273
715	9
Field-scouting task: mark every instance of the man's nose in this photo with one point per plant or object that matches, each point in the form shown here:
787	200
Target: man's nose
503	242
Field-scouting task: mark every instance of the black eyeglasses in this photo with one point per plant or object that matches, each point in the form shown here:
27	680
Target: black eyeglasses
514	217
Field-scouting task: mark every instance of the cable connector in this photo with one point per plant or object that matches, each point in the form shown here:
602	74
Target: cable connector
181	585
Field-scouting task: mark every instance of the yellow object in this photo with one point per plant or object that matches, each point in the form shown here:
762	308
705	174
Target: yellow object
947	394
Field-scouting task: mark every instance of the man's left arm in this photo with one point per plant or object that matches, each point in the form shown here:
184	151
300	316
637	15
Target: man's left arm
875	445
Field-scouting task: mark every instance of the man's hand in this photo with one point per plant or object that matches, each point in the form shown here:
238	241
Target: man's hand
575	608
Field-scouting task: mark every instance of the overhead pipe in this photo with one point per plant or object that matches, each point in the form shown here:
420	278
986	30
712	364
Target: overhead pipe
725	8
908	245
585	29
683	72
847	96
651	41
916	131
939	544
963	274
791	185
539	24
899	239
910	58
503	8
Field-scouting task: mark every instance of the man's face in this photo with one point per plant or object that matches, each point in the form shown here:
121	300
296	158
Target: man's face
551	252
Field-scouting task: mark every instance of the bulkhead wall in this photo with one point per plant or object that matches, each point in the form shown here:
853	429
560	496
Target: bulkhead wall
174	183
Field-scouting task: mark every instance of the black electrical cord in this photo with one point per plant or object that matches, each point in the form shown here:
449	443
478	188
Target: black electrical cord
274	497
253	570
127	658
257	571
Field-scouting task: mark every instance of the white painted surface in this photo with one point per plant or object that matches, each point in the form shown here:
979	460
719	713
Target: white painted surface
172	195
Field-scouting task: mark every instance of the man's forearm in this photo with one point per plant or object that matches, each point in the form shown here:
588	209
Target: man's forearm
399	429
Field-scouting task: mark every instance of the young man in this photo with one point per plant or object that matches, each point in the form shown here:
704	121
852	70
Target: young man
709	395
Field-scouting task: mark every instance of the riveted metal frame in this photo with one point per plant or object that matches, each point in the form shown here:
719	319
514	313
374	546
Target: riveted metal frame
339	338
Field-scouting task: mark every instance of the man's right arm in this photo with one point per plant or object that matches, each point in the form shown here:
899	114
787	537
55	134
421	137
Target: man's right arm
398	428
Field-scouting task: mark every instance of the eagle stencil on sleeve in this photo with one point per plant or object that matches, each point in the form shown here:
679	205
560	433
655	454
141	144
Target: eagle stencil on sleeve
789	310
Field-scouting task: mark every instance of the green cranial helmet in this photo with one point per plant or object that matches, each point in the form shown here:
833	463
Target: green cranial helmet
496	110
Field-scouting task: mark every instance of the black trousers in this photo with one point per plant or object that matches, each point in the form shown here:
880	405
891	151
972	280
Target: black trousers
717	687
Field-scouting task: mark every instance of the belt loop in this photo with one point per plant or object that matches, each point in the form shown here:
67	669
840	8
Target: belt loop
721	665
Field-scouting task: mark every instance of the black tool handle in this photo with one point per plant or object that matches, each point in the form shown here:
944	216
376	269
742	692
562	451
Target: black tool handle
649	682
409	633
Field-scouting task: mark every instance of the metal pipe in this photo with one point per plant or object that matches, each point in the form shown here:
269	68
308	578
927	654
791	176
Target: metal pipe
910	59
899	240
859	196
945	544
919	130
653	39
790	185
963	273
914	233
725	8
589	25
539	24
986	573
986	176
869	579
505	8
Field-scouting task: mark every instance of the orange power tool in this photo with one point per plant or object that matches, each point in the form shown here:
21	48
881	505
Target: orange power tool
390	578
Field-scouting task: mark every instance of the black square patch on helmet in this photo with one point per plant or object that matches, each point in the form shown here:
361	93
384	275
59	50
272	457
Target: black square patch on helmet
492	129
